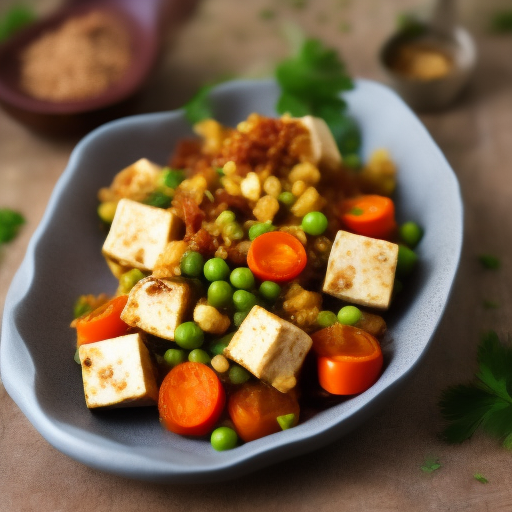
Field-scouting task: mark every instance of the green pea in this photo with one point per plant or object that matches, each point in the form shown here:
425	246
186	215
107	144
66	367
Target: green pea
349	315
258	229
107	211
129	279
220	294
172	177
406	261
287	198
270	291
233	231
314	223
239	317
191	264
244	300
189	335
77	357
223	438
225	217
216	269
199	356
174	356
326	318
411	233
217	347
238	374
286	421
242	278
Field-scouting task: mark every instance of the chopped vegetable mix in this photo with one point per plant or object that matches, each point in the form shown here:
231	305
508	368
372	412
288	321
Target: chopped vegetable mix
235	280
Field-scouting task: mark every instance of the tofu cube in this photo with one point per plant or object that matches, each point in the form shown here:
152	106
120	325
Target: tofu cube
323	146
118	372
158	306
270	348
361	270
134	182
139	233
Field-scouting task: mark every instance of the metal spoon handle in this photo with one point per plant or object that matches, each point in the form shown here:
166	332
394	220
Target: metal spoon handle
444	17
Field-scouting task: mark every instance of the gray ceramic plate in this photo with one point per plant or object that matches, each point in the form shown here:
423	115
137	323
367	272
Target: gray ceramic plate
64	260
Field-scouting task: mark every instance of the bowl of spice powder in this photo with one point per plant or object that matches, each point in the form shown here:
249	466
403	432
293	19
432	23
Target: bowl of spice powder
83	65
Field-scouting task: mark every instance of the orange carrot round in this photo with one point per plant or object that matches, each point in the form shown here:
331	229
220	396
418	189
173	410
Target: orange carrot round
349	360
103	323
255	407
191	399
370	215
276	256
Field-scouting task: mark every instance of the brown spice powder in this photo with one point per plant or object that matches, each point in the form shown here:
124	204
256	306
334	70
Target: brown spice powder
78	60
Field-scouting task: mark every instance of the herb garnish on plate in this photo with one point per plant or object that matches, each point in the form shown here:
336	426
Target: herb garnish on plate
486	402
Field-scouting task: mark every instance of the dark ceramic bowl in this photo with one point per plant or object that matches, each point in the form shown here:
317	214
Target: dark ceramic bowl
64	260
144	21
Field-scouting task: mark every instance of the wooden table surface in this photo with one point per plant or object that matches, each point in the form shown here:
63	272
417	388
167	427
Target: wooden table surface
378	466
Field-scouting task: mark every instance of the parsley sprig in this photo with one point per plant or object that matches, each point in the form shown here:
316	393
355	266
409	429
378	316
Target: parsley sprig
199	106
486	402
311	83
430	465
10	223
14	19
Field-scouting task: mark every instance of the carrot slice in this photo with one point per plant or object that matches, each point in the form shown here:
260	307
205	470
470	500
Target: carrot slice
276	256
191	399
103	323
370	215
349	360
255	407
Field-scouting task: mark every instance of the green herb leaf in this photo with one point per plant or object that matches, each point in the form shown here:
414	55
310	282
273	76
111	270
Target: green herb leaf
487	401
10	223
17	17
81	307
311	83
490	304
199	107
410	25
158	199
267	14
501	22
430	465
480	478
489	261
173	177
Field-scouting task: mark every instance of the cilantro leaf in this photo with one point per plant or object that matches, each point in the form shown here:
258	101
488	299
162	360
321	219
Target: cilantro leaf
490	304
489	261
198	107
311	83
17	17
315	73
486	402
410	25
501	22
430	465
10	222
480	478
